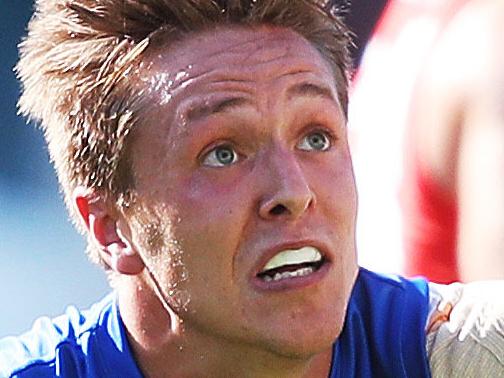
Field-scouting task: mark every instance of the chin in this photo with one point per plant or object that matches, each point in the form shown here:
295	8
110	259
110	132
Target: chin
305	346
302	326
302	339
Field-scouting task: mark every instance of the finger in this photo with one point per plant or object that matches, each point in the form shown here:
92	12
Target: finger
458	316
470	322
439	317
450	294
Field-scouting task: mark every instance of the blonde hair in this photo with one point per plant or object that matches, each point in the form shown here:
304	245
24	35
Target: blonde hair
74	64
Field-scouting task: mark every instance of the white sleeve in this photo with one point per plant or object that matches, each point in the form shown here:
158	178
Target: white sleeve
471	342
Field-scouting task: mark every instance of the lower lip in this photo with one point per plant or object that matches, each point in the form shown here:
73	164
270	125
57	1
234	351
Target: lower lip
292	283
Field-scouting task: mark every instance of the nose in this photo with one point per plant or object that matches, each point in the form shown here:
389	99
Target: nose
288	194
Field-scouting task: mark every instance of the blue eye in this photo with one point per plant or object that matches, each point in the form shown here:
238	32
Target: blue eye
220	156
316	141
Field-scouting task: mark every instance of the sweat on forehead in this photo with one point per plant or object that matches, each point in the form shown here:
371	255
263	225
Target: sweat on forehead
170	66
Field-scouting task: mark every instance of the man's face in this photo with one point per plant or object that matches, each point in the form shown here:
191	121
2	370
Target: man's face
243	157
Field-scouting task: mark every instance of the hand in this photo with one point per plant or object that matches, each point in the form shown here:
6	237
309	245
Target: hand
476	306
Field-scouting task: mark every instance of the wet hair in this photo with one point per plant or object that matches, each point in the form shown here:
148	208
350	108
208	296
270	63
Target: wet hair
78	55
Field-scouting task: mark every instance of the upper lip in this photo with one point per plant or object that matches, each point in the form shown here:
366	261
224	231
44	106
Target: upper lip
273	250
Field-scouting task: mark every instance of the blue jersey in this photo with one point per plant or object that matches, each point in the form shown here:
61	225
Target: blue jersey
77	344
383	336
384	333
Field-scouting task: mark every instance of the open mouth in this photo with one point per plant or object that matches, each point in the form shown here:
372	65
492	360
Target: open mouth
292	263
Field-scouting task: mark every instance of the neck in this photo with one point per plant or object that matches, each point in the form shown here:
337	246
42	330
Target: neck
162	347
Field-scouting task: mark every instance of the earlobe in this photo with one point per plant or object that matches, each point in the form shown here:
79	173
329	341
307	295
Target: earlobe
123	260
102	224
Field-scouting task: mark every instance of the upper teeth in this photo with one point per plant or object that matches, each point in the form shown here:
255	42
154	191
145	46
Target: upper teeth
293	257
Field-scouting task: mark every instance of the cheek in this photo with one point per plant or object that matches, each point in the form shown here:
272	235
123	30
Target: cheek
213	214
216	201
153	236
335	187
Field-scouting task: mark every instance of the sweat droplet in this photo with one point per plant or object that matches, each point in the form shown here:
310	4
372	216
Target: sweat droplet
181	75
184	275
181	299
165	98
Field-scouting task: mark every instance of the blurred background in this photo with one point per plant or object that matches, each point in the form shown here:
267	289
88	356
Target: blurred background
43	266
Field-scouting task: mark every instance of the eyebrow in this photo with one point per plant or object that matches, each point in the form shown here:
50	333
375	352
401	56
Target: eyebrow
199	111
310	89
203	110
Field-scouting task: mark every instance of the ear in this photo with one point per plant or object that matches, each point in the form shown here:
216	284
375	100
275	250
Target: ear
102	222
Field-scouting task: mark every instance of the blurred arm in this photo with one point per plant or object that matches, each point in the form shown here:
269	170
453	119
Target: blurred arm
461	132
480	179
481	194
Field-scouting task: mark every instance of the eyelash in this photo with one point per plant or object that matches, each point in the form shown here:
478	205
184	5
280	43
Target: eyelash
214	147
329	134
313	129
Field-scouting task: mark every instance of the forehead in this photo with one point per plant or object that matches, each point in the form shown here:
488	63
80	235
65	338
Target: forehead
255	44
243	54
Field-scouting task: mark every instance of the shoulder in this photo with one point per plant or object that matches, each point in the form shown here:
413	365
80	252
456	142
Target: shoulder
391	284
384	327
404	303
457	86
475	356
468	54
470	340
37	352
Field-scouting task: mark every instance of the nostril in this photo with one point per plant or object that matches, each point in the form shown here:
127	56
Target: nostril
278	210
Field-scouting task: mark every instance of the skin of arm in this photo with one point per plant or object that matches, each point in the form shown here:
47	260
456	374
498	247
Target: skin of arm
461	132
